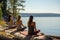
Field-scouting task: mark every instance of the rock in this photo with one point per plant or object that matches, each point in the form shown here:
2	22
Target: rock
23	35
4	38
40	37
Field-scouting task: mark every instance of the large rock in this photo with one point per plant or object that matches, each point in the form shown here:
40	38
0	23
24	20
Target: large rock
24	36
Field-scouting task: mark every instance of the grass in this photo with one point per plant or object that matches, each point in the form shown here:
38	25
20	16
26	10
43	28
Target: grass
3	23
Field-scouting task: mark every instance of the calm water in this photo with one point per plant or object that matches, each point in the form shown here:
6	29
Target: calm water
47	25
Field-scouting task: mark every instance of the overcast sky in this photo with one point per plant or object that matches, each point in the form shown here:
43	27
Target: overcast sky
42	6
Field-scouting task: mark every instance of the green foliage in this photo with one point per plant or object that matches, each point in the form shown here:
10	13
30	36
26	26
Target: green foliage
17	3
0	12
0	15
14	4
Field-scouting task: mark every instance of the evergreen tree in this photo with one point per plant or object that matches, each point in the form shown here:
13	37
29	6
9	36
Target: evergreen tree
14	4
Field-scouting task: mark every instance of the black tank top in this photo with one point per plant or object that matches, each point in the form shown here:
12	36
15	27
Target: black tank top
31	30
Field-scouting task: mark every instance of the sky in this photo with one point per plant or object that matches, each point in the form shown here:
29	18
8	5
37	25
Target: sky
42	6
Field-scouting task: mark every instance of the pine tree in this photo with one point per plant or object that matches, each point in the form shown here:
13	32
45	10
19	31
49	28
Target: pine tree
15	4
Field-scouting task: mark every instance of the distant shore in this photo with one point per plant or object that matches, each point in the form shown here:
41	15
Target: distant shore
40	14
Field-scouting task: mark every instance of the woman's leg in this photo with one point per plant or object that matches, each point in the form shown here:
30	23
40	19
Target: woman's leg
37	32
23	28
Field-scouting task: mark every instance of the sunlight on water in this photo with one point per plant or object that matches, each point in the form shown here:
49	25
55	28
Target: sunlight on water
47	25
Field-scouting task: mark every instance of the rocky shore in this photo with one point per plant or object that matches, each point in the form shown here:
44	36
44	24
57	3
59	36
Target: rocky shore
18	36
28	38
5	35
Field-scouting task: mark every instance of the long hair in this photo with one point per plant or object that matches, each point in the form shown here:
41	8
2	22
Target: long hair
9	18
30	19
18	18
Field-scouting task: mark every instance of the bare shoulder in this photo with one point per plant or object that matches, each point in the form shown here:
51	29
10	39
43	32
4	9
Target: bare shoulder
20	20
34	22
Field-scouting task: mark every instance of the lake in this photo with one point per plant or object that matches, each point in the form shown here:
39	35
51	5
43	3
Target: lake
47	25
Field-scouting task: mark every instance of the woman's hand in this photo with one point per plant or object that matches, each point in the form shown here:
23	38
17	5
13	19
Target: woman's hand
35	30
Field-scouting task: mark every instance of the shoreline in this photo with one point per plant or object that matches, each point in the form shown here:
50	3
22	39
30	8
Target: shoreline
57	37
15	38
21	36
6	35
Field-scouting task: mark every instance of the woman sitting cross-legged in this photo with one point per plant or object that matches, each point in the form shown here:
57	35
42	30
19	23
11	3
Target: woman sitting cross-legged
10	23
32	27
19	24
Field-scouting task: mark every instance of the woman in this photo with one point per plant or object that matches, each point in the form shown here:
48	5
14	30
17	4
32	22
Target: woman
19	24
32	27
10	21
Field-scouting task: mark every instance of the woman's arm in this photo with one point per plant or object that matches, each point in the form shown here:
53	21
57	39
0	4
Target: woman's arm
35	26
22	24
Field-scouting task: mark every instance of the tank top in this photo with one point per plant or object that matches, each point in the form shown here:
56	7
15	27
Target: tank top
31	29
